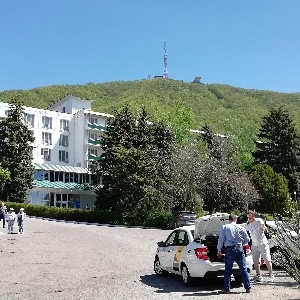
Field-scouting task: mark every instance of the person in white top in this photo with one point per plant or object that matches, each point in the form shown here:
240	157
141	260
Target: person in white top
10	219
260	246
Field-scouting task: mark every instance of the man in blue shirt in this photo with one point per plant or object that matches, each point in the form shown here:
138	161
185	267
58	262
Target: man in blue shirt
233	237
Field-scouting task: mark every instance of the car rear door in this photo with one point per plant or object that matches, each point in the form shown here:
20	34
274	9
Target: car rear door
175	246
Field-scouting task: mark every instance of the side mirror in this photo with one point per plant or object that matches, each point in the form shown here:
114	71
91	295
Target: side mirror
161	244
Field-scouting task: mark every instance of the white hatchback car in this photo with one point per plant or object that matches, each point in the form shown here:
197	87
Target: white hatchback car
193	258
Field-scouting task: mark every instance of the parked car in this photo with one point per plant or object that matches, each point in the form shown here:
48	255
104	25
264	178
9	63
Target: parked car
182	218
193	255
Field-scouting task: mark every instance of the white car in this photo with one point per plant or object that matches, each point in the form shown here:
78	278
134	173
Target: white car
193	258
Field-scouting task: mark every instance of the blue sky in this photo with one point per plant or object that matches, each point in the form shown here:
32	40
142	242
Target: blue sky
249	44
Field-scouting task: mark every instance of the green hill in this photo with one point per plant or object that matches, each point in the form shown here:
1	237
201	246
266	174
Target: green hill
224	108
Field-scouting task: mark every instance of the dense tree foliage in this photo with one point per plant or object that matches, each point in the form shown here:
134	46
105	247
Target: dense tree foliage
4	177
273	189
279	146
134	166
228	110
16	154
226	187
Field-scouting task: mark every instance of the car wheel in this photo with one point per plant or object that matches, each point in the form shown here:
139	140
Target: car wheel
158	269
186	278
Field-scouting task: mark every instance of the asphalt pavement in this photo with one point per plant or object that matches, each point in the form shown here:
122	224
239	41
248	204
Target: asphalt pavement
59	260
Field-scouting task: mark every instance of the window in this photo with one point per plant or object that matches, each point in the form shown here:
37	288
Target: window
47	138
93	152
63	110
59	176
93	136
47	122
29	120
63	156
93	120
64	124
46	153
63	140
40	175
178	238
8	112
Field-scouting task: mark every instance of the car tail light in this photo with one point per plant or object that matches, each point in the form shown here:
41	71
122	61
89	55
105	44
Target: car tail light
201	253
247	250
179	216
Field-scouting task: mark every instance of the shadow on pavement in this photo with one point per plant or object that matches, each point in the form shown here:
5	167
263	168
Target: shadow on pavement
173	283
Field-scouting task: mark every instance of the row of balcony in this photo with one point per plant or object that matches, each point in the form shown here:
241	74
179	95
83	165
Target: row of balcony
95	126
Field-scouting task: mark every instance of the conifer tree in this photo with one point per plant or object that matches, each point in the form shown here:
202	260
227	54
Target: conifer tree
279	146
131	181
16	154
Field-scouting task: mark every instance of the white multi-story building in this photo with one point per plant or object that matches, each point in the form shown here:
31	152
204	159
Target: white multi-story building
67	141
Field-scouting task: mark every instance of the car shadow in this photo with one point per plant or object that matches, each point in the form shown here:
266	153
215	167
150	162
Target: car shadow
173	283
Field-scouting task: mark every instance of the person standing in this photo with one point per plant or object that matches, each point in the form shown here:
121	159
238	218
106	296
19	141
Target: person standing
233	237
260	246
20	217
3	213
10	218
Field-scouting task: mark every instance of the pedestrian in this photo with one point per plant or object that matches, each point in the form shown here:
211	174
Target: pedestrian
233	237
20	217
10	218
3	212
260	246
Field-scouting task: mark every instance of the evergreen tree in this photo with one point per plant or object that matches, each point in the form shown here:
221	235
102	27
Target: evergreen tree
279	146
131	181
272	188
16	154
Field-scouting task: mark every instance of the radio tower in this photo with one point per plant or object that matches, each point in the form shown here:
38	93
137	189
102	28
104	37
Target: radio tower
165	62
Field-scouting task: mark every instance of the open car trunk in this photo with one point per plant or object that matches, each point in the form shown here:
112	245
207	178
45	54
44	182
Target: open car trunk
211	242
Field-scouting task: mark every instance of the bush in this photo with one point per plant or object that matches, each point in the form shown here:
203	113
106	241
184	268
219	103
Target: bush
158	219
68	214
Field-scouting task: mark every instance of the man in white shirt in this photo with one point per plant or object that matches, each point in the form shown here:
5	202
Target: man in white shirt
260	245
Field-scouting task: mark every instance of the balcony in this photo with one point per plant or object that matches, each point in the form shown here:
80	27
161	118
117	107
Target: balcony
96	127
94	157
94	142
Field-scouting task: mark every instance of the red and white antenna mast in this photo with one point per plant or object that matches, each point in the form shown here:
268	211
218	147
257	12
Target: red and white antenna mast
165	62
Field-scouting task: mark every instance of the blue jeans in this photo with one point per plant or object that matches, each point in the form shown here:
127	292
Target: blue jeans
21	225
235	255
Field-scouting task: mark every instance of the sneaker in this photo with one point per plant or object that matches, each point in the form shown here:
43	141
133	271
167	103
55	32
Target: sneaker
258	278
248	290
271	277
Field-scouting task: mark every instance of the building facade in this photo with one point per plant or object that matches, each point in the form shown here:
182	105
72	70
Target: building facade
67	142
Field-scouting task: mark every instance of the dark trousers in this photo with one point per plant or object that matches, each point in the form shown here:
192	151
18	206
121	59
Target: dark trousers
235	255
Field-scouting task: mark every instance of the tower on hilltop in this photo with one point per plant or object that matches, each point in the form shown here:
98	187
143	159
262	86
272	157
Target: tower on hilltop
165	61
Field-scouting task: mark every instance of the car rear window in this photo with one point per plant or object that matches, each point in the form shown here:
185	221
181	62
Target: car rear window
187	214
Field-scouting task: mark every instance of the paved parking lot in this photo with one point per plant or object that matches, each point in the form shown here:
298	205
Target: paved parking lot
58	260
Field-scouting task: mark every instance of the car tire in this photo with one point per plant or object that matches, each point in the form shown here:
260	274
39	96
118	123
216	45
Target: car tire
186	277
158	269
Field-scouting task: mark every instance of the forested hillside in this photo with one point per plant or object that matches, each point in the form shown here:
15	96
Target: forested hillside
225	109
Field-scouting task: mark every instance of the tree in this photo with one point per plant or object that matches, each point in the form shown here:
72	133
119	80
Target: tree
132	171
279	146
272	188
4	177
183	185
15	154
225	186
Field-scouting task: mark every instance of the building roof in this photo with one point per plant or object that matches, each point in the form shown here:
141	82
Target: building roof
59	168
62	185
